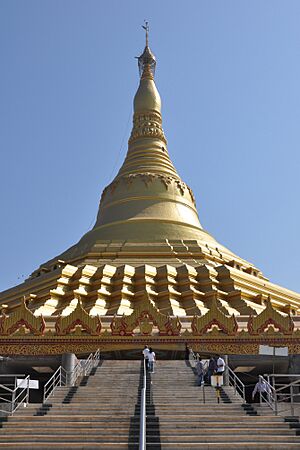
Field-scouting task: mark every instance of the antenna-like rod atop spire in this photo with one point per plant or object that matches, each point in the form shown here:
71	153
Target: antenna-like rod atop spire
146	28
147	61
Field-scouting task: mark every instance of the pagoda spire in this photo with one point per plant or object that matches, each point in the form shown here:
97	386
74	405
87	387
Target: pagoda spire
147	196
147	145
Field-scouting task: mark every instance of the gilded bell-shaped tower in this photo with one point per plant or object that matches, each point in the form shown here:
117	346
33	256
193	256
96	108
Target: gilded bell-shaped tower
147	211
147	214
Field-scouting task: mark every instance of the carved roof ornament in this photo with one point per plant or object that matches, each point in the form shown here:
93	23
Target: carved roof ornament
78	317
19	318
146	60
269	316
228	324
144	313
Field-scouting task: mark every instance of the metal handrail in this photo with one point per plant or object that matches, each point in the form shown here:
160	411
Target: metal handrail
142	443
91	362
17	398
236	383
193	357
62	378
283	394
270	398
59	378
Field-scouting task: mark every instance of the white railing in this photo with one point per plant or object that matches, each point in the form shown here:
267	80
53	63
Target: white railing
142	443
236	383
63	378
91	362
59	378
193	361
281	397
269	397
18	396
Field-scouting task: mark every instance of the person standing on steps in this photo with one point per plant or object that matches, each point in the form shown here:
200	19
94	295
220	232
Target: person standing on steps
151	359
212	367
146	356
261	388
199	370
187	352
220	365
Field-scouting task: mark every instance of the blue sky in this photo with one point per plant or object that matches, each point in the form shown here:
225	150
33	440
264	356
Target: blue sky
228	73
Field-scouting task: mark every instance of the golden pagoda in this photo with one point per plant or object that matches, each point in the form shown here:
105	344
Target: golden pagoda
147	271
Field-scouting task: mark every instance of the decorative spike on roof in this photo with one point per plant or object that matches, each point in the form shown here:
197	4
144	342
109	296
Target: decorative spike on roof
147	60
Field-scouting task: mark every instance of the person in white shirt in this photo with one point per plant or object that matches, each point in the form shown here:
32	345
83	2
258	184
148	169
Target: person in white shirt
261	388
146	356
151	359
220	365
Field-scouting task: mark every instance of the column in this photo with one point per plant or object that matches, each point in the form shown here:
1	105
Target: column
226	373
68	362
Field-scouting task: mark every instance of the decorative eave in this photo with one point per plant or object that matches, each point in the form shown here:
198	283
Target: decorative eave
200	325
269	316
143	313
79	317
21	317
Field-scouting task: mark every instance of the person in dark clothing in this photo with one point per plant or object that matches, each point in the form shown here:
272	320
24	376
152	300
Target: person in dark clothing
186	352
212	367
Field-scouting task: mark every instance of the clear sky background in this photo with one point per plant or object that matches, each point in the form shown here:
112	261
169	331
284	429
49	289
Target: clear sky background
229	76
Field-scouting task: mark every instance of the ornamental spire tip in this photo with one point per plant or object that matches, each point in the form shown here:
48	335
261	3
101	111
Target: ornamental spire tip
146	28
147	61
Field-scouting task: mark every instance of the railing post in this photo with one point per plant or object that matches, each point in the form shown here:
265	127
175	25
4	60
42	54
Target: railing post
292	399
13	401
28	389
142	443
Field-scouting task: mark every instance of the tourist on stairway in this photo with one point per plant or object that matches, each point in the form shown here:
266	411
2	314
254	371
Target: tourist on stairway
151	359
199	370
220	365
146	356
212	367
261	388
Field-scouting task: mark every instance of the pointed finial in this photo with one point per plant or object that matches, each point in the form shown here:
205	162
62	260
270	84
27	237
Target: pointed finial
146	28
147	61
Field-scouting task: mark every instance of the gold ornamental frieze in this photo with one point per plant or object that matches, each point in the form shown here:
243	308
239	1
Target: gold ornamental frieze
21	318
147	125
144	313
78	318
214	317
270	317
148	178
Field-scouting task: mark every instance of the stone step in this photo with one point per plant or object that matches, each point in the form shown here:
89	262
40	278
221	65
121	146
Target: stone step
70	423
41	438
169	419
122	431
170	445
174	427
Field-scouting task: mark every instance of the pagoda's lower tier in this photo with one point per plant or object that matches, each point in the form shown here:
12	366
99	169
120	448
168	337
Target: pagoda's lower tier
213	309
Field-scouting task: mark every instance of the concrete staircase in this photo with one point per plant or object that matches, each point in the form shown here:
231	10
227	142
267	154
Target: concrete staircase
103	412
178	418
